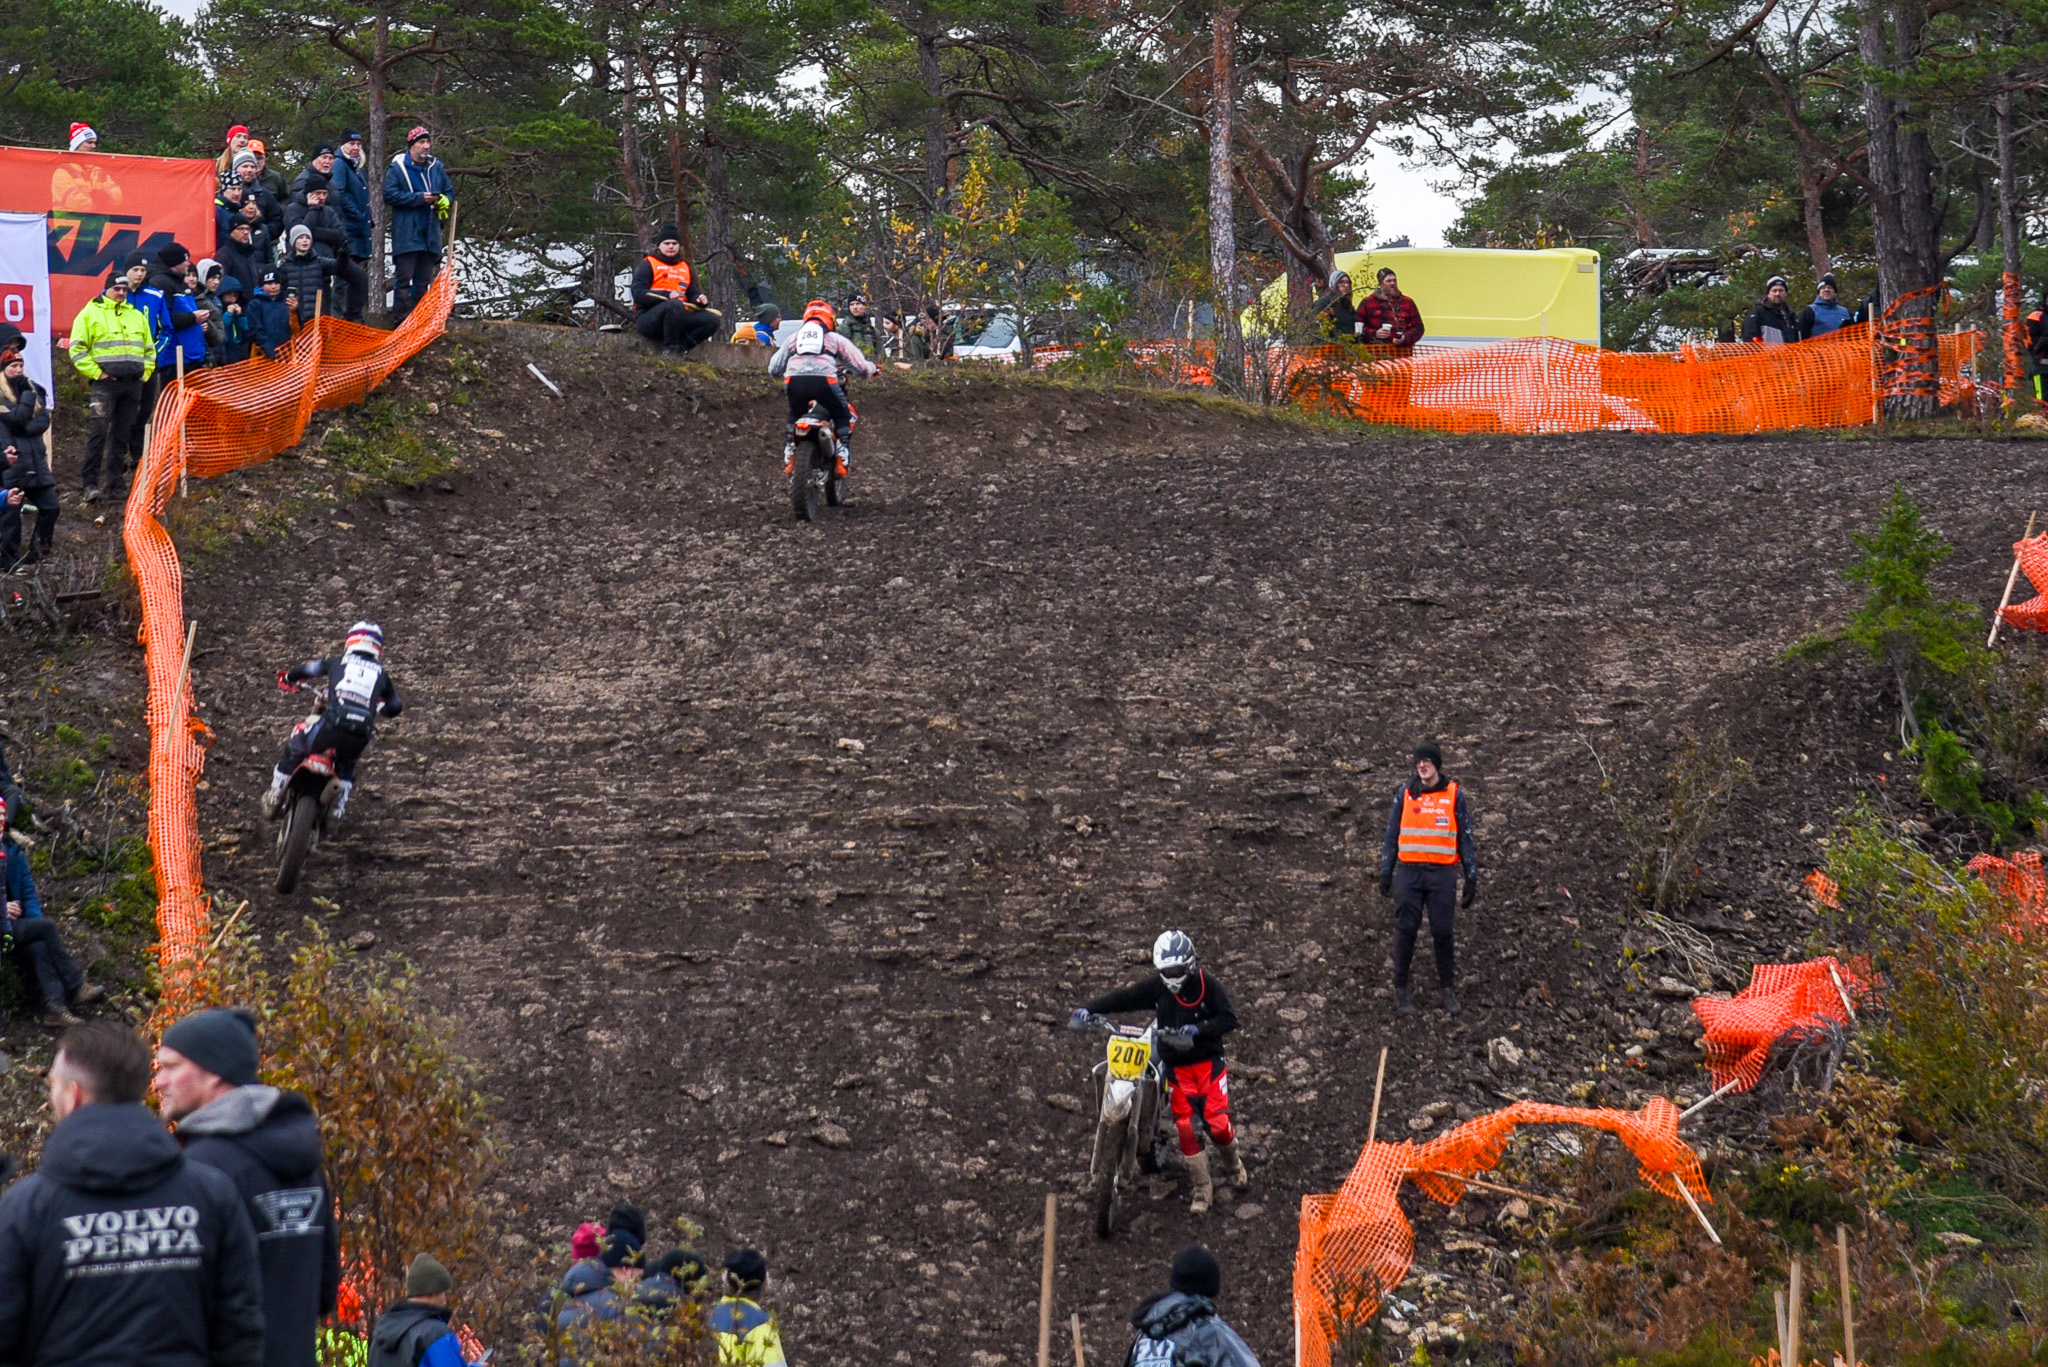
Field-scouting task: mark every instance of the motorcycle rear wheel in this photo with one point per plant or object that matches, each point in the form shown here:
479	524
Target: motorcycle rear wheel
295	842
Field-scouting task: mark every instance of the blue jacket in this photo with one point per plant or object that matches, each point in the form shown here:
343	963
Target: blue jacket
150	300
1820	318
234	326
415	224
350	193
270	323
21	884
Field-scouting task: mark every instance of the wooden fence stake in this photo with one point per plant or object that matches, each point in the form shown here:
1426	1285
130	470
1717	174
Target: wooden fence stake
215	946
1045	1285
183	488
1793	1299
1373	1130
1080	1358
184	673
1848	1296
1778	1305
1697	1213
1730	1085
2010	581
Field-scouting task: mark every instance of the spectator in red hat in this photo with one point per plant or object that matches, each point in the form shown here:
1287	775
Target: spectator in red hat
237	141
83	187
420	198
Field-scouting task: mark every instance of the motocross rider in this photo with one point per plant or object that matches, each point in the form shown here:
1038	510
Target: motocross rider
1194	1015
810	365
360	690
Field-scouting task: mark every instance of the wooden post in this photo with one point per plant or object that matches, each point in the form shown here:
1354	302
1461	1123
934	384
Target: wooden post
1372	1131
182	487
2010	580
184	671
1694	1205
1730	1085
1848	1296
1793	1299
1080	1358
1045	1285
1778	1306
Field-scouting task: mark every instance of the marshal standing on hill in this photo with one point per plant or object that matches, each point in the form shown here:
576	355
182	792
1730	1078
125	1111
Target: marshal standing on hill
1429	839
1194	1015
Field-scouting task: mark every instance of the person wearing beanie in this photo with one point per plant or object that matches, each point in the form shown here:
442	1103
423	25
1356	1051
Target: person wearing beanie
1336	308
351	194
678	1275
627	1217
1180	1324
414	1331
310	210
29	934
860	329
268	1143
747	1335
114	348
233	146
1771	321
419	199
584	1243
84	187
603	1298
1390	318
170	280
1428	842
1826	313
308	276
170	1274
269	314
669	310
268	176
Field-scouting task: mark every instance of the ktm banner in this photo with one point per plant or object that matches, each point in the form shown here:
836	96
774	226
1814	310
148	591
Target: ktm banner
100	208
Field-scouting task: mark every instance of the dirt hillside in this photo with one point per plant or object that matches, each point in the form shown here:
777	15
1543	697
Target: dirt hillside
760	861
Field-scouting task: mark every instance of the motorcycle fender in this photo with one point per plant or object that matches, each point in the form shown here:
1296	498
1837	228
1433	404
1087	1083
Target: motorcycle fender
1118	1098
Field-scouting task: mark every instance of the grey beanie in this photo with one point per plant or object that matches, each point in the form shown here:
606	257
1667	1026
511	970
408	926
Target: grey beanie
1336	275
298	231
221	1040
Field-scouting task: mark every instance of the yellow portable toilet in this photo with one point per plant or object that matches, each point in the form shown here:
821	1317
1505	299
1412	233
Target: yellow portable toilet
1470	296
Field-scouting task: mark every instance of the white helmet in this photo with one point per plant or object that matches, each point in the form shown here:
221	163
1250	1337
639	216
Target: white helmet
364	638
1173	954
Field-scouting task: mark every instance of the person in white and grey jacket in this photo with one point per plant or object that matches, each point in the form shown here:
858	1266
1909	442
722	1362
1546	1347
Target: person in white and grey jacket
812	365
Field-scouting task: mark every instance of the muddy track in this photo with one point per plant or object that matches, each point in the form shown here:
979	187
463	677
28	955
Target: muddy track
716	830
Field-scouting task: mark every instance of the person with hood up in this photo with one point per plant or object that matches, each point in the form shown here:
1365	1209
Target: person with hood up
268	1142
270	315
1771	322
1338	307
330	240
308	277
414	1332
234	321
28	480
1179	1327
120	1249
1826	313
421	198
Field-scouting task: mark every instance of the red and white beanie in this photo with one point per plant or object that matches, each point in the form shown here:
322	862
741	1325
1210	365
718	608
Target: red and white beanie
81	134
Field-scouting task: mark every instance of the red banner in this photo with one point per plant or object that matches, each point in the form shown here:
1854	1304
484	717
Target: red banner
103	207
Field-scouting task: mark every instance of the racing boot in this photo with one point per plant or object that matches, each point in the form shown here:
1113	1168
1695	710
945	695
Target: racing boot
340	807
1233	1166
842	457
1402	1002
1202	1193
788	457
273	801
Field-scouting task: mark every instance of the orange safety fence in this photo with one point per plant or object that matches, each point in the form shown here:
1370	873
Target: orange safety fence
2020	882
1781	1000
1356	1244
214	422
2032	615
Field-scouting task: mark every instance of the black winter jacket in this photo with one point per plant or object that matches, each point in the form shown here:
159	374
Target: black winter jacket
1206	1007
24	417
119	1250
1775	317
330	233
183	306
1343	311
405	1332
269	1143
308	276
1390	844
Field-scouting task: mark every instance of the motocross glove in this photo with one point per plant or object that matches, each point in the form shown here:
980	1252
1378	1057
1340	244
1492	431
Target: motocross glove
1186	1033
284	681
1079	1020
1387	883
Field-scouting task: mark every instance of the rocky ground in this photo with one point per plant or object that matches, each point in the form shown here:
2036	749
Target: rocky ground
761	862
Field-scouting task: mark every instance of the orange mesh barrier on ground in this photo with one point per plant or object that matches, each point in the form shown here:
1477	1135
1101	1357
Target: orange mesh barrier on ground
217	421
2032	615
1825	890
1356	1245
1781	999
2020	882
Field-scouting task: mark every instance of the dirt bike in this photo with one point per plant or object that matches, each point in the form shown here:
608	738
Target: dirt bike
814	478
1129	1087
308	797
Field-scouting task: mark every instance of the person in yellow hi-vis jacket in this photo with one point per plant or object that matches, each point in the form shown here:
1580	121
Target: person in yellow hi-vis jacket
113	347
746	1333
1428	842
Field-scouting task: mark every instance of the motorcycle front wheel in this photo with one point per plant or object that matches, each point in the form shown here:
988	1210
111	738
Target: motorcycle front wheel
295	842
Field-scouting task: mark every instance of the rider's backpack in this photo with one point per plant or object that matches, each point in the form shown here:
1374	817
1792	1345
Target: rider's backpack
354	704
810	339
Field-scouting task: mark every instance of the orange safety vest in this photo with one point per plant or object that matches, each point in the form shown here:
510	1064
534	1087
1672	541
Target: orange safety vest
670	275
1429	826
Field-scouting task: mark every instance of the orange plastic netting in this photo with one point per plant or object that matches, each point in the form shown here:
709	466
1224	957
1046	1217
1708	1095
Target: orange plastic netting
1356	1245
2032	554
214	422
2020	882
1781	999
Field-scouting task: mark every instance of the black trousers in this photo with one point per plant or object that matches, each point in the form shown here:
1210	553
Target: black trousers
349	271
676	326
411	273
116	428
829	394
348	747
44	501
1421	889
36	939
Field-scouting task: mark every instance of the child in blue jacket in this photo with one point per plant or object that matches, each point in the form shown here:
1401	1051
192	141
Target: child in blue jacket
270	317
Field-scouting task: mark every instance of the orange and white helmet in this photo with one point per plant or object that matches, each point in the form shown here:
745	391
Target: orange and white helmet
819	311
364	638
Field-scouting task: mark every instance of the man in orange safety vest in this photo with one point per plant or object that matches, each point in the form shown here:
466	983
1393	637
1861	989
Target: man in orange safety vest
1429	841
